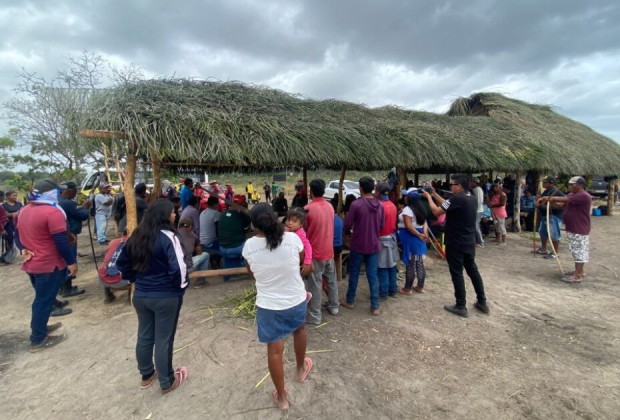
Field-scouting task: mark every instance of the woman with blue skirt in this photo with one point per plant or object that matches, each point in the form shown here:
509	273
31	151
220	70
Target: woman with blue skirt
413	235
273	257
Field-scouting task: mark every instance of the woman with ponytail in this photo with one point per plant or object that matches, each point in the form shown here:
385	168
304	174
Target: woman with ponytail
153	259
273	257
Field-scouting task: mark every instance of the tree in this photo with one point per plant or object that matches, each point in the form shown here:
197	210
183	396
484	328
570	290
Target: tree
6	144
47	114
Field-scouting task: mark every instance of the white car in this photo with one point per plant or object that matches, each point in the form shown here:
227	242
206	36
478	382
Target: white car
349	187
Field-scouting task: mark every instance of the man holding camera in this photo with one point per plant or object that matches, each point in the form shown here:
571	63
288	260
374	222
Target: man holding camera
460	210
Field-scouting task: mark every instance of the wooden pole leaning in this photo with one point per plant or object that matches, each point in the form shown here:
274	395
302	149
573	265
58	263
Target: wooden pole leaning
557	257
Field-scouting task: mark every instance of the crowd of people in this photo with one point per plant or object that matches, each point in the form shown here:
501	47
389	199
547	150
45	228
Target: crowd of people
290	252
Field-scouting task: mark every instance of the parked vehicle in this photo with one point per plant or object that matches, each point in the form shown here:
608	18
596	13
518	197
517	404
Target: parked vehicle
348	187
598	186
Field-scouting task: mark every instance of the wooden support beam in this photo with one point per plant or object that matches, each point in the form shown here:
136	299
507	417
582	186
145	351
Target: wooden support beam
343	171
611	199
220	272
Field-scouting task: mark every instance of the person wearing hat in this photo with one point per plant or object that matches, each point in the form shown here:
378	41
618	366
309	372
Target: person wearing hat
388	255
555	219
267	189
460	210
103	211
75	216
249	189
48	258
577	206
11	207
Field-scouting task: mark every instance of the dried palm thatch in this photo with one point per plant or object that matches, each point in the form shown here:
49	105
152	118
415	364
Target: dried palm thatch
235	124
547	140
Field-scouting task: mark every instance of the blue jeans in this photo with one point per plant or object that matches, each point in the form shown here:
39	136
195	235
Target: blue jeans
387	281
213	249
555	227
355	263
200	263
232	258
45	289
102	226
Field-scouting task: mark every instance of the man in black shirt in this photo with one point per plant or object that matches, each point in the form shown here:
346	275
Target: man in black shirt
460	210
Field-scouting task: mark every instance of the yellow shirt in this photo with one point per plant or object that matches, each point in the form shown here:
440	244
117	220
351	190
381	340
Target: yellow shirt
249	188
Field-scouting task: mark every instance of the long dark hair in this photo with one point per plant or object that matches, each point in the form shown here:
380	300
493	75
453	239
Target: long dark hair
140	243
264	219
418	210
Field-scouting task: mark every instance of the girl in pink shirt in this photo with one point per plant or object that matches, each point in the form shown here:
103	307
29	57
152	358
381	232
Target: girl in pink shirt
294	222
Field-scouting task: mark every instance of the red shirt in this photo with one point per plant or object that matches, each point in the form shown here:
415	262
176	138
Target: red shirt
577	213
36	224
320	228
106	260
390	213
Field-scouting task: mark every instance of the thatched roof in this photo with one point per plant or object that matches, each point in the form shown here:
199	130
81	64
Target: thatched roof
548	140
231	123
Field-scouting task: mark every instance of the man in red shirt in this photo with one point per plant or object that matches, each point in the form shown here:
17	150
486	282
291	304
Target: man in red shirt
388	256
576	218
47	254
320	232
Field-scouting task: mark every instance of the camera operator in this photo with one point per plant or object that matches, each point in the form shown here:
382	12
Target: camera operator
460	210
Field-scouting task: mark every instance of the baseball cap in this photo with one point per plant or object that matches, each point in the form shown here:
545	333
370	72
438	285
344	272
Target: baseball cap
384	188
45	185
577	180
103	185
69	185
239	199
414	195
549	179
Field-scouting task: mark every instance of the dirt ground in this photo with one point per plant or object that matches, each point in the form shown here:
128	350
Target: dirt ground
548	350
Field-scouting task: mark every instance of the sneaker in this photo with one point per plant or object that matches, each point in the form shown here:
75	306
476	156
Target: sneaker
453	309
393	295
60	303
74	291
347	304
549	256
383	298
482	307
405	291
333	311
50	341
53	327
418	289
540	251
60	311
109	298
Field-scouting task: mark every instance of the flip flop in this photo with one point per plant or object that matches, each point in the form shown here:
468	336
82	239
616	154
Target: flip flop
149	381
179	377
571	279
309	363
274	394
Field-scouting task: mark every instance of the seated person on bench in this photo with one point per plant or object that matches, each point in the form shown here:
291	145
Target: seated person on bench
108	275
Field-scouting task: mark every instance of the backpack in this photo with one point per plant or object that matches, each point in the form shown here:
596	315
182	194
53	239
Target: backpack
111	269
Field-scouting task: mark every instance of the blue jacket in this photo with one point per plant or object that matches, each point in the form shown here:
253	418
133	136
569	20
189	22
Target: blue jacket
75	215
163	277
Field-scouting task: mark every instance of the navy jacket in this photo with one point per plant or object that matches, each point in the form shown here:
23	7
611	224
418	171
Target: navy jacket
75	215
163	277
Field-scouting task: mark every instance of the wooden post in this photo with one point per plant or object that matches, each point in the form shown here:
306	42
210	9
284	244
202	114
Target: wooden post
343	171
516	214
106	157
416	178
155	162
611	199
130	194
117	160
402	178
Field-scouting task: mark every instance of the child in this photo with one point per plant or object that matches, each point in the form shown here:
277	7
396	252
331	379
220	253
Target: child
295	219
413	234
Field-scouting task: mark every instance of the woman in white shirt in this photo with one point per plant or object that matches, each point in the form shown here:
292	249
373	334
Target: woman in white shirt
273	257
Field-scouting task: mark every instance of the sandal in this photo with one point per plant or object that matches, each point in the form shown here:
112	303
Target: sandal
309	364
179	377
274	394
146	383
404	291
571	279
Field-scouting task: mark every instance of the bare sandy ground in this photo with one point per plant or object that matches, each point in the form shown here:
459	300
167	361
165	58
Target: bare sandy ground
548	350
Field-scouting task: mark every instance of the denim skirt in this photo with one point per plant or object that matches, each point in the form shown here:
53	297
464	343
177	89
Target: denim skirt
276	325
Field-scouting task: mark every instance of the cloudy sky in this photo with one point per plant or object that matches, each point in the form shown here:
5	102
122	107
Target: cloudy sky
412	53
